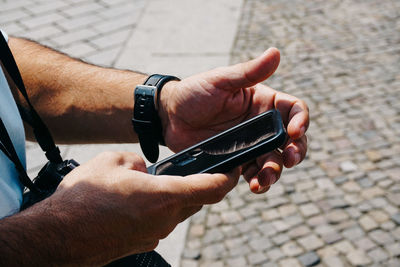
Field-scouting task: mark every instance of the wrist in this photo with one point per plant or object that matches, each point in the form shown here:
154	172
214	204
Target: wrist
164	105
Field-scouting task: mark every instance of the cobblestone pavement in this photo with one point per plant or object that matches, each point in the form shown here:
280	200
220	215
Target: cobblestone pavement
340	207
93	30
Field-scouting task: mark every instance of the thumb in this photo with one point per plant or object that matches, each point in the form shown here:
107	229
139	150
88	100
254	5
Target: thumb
246	74
200	189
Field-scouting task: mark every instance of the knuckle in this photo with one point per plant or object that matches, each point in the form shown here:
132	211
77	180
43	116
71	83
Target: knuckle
219	194
151	245
109	155
165	232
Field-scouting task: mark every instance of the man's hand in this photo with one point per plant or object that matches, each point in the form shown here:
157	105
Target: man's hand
205	104
106	209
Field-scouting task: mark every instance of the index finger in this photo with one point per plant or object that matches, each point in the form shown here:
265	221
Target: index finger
295	114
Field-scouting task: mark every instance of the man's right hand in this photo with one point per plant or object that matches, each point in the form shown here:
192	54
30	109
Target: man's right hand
109	208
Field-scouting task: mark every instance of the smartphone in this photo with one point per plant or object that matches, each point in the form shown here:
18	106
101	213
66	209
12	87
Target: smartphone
227	150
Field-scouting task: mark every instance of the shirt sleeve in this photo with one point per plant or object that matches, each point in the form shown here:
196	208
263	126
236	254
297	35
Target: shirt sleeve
4	34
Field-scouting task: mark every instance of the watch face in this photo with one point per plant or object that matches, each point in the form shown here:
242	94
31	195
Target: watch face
146	93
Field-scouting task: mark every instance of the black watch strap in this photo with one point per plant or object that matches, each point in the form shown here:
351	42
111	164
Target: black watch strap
146	122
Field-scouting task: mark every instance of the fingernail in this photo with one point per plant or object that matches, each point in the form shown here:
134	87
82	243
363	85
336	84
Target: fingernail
261	188
272	179
302	130
296	158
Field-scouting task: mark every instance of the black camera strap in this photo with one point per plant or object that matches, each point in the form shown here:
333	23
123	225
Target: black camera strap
40	130
8	149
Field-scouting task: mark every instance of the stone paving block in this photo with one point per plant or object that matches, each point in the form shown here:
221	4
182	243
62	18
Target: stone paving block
287	210
82	8
299	231
396	218
372	193
16	14
109	26
336	216
47	19
294	220
213	236
289	262
394	198
257	258
111	39
351	186
213	220
189	263
333	261
191	254
47	7
299	198
291	249
327	251
379	216
393	249
74	36
7	6
353	233
311	242
365	243
378	255
79	50
260	244
237	262
388	226
239	251
104	57
316	195
44	32
270	214
89	20
270	264
348	166
344	246
214	251
317	220
367	223
354	212
309	259
381	237
280	239
116	10
331	238
280	225
13	28
197	230
309	209
358	258
274	254
212	263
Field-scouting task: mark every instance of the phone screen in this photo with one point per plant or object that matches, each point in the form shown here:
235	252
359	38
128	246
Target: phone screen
215	153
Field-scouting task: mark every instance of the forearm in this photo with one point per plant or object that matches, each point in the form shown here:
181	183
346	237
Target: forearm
79	102
48	234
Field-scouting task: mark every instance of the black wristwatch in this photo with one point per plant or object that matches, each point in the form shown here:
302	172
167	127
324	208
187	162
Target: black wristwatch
146	122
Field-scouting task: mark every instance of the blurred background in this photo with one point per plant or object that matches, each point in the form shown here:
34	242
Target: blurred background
341	206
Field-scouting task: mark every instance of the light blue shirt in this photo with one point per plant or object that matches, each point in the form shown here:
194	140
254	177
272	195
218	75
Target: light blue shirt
10	187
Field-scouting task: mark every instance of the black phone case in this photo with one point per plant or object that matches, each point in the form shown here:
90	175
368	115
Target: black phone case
229	149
